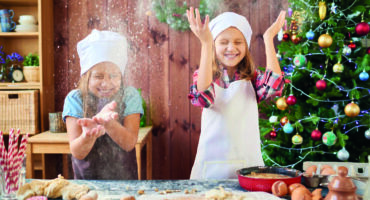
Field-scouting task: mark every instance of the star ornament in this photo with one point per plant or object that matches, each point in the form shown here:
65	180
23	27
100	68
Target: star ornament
333	8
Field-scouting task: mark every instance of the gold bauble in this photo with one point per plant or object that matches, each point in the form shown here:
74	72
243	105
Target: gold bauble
297	139
284	120
325	40
352	109
281	103
322	10
295	39
338	68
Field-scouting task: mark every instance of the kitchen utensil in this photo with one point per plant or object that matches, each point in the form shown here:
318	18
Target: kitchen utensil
265	184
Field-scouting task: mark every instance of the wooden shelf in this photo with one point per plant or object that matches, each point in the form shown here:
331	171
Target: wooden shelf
12	86
18	2
41	43
20	34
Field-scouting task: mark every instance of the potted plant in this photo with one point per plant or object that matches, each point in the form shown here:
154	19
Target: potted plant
31	65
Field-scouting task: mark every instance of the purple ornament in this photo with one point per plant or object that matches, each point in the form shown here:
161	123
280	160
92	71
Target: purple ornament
290	12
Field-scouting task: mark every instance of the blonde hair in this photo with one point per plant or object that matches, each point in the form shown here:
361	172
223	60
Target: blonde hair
90	101
245	67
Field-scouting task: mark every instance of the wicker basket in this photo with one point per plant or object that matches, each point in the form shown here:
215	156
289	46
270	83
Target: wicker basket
19	109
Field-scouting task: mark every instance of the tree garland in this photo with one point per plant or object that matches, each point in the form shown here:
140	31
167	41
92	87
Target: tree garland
168	11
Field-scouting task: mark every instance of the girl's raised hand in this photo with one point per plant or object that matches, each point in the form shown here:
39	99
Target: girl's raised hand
90	128
275	27
201	30
107	114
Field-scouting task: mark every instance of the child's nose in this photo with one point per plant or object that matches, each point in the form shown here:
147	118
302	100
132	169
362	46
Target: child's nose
230	46
107	80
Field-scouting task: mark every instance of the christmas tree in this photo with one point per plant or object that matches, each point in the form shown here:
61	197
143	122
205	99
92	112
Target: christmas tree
323	114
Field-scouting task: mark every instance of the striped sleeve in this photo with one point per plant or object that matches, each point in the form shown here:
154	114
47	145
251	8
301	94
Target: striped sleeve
268	84
201	98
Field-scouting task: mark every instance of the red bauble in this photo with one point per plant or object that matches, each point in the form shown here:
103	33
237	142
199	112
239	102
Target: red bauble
368	50
321	85
316	135
291	100
286	37
273	134
352	46
362	29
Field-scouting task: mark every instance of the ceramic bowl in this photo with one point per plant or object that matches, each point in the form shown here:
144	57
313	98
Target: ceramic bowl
27	20
26	28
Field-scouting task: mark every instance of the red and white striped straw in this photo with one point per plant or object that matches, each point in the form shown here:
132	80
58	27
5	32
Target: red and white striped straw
13	161
3	153
9	161
19	159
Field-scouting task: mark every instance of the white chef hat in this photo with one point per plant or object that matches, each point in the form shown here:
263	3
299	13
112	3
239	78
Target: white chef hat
102	46
231	19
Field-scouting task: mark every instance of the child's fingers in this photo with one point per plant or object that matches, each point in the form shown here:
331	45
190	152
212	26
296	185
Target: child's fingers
95	119
87	133
113	105
98	120
197	18
280	20
192	22
206	21
101	130
114	115
187	14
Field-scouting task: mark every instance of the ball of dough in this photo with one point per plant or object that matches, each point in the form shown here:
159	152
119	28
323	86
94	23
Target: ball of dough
311	170
328	171
301	193
128	198
279	188
293	186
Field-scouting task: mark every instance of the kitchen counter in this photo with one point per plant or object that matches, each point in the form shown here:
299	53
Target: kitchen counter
114	190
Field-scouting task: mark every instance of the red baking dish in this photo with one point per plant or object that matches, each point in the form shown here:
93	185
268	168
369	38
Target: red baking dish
265	184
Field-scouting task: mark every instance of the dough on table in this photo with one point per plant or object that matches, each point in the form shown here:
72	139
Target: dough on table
55	188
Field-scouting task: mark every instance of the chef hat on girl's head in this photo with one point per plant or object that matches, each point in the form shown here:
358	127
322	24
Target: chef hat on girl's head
102	46
230	19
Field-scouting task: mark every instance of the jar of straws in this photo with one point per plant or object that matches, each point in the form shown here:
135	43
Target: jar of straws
11	161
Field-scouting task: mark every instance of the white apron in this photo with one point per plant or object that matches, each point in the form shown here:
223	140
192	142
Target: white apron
230	137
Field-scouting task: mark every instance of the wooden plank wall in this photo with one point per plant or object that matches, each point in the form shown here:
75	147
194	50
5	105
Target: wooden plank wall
161	62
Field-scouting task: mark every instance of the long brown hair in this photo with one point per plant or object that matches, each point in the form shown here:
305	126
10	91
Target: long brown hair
90	101
245	67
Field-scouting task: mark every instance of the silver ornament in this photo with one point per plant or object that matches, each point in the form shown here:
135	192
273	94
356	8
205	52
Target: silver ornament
273	119
346	50
343	154
367	134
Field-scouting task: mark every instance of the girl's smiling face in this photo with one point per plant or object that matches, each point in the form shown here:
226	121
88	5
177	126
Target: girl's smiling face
105	80
230	47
